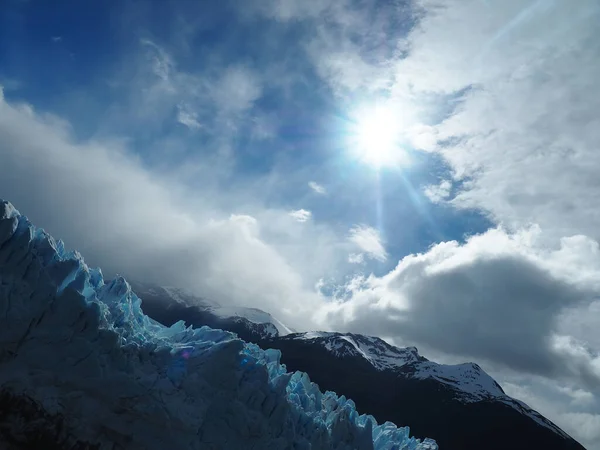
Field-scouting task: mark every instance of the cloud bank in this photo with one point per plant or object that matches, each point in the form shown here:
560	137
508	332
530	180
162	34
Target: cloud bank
105	204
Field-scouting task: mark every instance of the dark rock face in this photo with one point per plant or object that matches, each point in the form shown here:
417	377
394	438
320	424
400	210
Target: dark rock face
432	406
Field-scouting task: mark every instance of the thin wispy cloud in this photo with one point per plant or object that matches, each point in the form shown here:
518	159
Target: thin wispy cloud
187	118
316	187
368	240
301	215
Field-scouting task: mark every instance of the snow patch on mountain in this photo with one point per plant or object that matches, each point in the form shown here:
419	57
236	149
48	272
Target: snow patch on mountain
468	380
254	315
83	351
375	350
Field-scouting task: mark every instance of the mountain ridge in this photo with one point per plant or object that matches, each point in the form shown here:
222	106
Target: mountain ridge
463	390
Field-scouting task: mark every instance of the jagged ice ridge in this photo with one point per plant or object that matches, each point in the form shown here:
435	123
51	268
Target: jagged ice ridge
83	350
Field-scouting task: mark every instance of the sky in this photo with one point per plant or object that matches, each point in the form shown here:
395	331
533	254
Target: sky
420	170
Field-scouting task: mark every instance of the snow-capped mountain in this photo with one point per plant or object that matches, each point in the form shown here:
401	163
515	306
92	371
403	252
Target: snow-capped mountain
460	406
82	367
469	381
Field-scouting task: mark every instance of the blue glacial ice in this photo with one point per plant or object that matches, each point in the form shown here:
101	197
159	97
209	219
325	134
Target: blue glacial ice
82	348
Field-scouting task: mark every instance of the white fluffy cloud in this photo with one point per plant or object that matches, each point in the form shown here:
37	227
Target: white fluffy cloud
497	297
301	215
369	241
525	136
440	192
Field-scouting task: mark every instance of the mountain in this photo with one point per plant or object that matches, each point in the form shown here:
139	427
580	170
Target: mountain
172	303
460	406
82	367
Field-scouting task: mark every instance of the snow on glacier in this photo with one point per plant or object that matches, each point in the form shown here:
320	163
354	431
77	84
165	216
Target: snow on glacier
82	348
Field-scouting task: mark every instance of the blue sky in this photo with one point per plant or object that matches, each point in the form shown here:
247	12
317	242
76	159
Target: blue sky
422	170
101	60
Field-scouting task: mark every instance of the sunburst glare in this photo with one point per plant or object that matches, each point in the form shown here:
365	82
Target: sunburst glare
375	136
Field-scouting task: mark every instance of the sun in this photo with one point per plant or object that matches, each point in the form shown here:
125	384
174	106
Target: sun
375	136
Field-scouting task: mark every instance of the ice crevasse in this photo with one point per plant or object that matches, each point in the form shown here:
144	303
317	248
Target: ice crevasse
82	350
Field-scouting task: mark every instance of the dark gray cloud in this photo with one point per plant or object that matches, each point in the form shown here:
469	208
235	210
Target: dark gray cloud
498	297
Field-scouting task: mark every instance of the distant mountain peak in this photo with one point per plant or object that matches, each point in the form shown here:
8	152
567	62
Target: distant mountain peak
254	320
469	381
375	350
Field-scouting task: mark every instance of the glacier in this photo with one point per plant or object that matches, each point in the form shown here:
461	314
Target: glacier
81	349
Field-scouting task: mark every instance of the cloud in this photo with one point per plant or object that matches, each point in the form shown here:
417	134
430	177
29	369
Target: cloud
582	323
104	203
369	241
438	193
349	43
163	89
555	402
497	297
353	43
162	63
237	89
524	136
288	10
356	258
316	187
585	425
301	215
187	118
